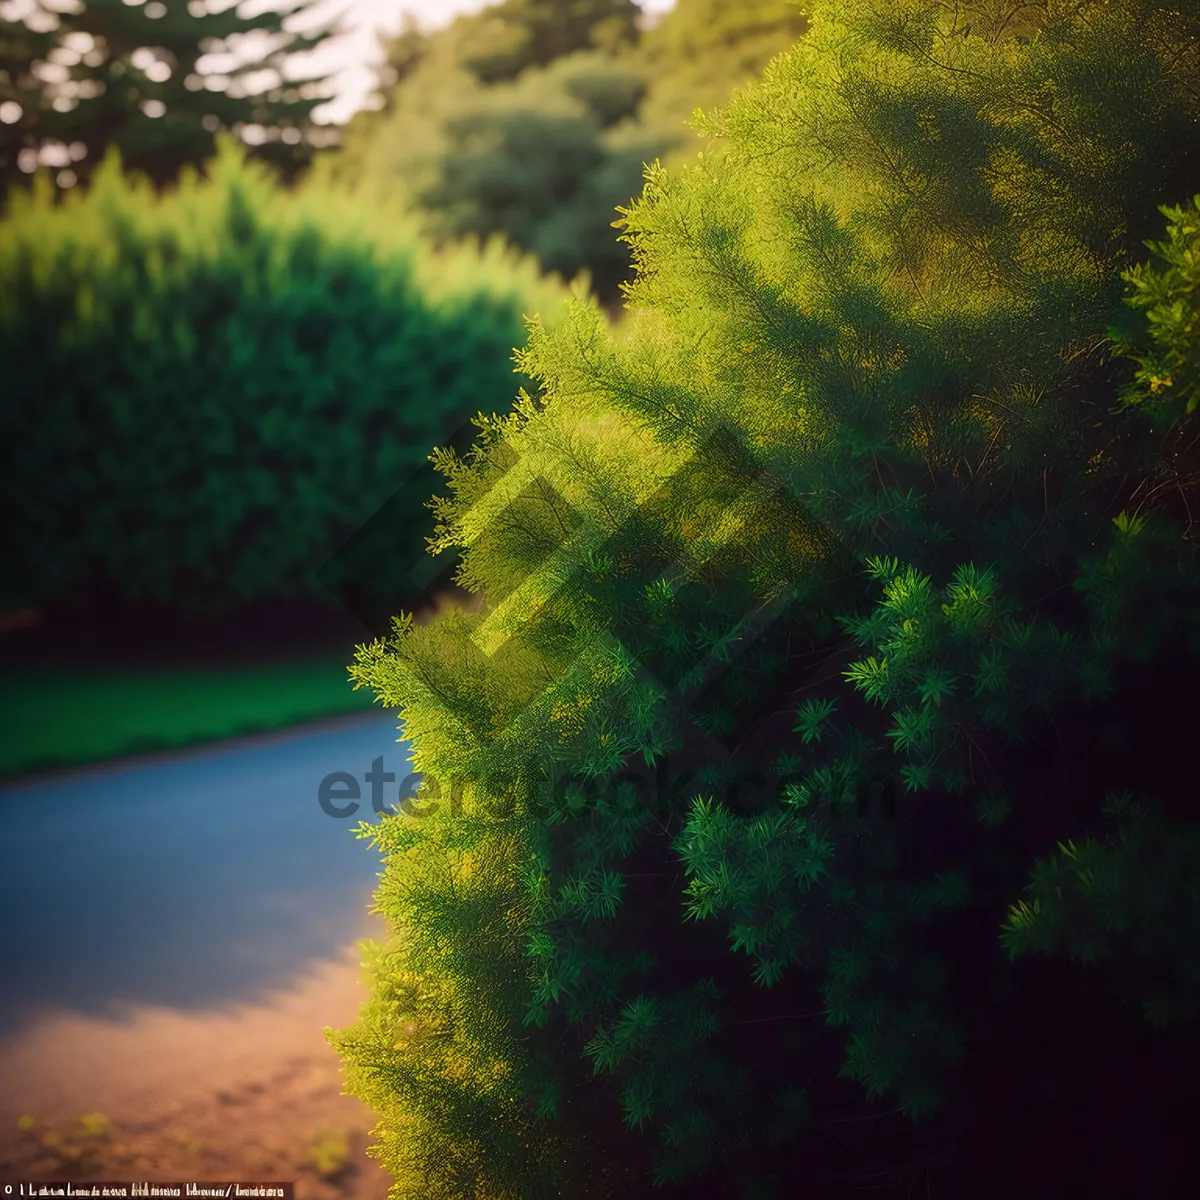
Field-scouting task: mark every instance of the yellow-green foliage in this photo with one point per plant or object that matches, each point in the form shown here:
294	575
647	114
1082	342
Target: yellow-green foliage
546	154
437	1052
1168	293
328	1153
359	214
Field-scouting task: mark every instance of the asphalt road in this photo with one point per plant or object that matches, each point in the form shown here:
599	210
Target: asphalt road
191	879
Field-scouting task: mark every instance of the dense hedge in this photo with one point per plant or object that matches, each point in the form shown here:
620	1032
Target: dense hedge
867	490
206	393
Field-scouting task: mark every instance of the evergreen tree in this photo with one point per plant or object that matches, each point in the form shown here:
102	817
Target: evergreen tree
862	492
402	55
542	161
535	120
125	75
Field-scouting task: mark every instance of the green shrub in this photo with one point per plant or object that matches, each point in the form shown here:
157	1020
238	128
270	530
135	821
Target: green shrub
437	1051
852	494
1168	295
205	394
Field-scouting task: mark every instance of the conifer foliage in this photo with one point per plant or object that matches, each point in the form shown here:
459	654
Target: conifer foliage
861	491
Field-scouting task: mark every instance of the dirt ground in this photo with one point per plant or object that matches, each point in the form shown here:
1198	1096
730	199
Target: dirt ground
248	1093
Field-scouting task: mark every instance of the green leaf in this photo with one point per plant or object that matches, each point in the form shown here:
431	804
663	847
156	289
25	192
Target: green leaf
541	945
992	809
547	1107
812	716
769	971
744	937
883	570
638	1104
917	776
912	730
870	677
936	686
603	1052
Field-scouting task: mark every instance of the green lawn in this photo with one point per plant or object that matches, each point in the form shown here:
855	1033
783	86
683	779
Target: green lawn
58	717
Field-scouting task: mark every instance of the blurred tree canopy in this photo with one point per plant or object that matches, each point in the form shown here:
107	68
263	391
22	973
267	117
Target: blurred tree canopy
114	73
542	160
512	37
535	119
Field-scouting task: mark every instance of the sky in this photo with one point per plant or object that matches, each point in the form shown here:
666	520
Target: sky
352	56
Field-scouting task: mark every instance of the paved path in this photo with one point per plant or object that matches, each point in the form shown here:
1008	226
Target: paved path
198	878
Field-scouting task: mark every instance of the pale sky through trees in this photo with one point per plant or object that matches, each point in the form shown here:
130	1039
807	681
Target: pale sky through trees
350	56
353	55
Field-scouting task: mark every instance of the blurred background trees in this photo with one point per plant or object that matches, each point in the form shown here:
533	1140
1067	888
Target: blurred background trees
74	82
531	119
213	389
534	119
703	50
504	41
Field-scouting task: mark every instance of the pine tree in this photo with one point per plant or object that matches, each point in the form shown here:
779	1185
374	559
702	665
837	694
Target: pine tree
115	74
857	493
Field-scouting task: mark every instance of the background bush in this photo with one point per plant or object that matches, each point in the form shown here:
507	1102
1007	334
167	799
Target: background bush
205	394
